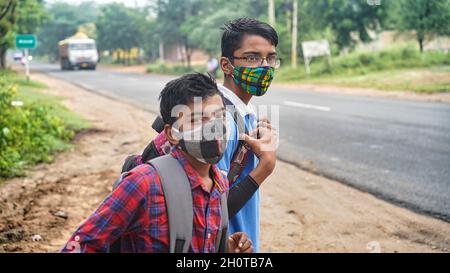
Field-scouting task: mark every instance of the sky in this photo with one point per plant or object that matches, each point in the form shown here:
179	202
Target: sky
130	3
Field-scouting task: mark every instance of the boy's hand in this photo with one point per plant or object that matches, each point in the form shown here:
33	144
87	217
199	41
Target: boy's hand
263	142
239	243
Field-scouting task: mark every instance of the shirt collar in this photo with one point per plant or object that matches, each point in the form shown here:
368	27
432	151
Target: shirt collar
194	177
242	108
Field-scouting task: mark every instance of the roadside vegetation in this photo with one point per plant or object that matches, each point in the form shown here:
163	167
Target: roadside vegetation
403	68
33	126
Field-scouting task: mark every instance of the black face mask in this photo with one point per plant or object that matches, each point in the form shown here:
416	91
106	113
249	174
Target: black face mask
206	143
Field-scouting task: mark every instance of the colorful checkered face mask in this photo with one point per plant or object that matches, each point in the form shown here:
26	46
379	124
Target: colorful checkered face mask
254	80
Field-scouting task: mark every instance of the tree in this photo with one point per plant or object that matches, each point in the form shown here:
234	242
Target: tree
30	15
6	8
17	17
64	20
171	14
351	16
201	27
272	20
120	27
204	30
427	18
7	21
294	33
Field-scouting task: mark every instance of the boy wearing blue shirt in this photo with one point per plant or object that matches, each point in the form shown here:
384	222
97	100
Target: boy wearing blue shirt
248	62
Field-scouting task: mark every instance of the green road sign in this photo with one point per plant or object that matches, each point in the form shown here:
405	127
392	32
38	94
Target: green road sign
26	41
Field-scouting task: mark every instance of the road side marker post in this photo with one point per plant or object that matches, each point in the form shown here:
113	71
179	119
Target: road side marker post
313	49
26	42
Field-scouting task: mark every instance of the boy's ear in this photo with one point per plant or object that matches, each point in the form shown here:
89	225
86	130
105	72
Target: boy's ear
225	66
168	131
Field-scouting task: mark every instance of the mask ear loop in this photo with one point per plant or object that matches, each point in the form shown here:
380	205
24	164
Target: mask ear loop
232	71
176	133
232	66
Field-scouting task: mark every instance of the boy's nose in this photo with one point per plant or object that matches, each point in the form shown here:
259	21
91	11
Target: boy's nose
264	62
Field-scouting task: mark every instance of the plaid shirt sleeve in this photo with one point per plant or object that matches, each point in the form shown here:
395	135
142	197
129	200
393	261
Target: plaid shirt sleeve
126	207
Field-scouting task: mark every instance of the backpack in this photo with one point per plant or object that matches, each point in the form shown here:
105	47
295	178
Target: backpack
178	194
178	198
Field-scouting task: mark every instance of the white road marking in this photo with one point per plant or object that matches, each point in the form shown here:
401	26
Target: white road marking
307	106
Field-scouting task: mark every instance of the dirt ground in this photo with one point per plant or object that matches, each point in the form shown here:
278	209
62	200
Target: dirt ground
301	212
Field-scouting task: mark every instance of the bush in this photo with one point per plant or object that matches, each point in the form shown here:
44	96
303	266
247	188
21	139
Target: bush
360	63
28	134
174	69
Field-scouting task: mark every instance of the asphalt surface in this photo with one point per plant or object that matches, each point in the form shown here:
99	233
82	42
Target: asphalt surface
397	150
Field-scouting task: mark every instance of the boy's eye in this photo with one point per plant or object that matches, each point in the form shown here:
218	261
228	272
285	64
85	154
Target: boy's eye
271	59
252	58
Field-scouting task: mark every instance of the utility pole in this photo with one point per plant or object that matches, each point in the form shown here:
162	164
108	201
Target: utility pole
272	13
161	51
27	65
294	33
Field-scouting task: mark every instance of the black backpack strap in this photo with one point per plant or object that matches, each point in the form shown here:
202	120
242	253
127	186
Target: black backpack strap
178	196
240	122
130	163
150	152
158	124
240	156
222	236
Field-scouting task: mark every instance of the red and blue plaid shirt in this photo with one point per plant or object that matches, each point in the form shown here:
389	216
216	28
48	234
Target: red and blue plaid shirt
135	213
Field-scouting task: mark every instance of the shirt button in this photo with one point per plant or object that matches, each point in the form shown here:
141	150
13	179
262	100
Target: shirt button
209	235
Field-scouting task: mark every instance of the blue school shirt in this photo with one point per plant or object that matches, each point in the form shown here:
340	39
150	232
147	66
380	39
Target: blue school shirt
247	219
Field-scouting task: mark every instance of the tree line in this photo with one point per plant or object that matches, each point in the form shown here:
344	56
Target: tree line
195	24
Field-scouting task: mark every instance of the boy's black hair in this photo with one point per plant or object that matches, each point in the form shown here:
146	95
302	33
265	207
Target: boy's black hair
182	91
234	31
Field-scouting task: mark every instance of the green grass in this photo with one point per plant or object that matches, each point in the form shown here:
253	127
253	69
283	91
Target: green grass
31	92
20	80
173	69
386	70
71	119
35	131
177	69
419	80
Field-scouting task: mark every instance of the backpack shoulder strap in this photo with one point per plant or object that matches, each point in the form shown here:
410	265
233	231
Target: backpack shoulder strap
240	156
240	122
222	236
178	196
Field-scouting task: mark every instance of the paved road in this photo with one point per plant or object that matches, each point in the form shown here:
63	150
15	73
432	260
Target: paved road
397	150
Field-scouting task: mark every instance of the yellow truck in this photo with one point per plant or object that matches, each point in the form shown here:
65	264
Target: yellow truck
78	51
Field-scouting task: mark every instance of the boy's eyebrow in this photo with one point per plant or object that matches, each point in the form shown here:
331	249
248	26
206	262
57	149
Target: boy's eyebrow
257	53
252	52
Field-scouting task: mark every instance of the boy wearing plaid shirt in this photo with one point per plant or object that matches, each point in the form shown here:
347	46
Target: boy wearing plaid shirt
136	213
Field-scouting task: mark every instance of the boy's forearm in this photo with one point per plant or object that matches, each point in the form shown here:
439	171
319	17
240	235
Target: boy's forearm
262	171
240	194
